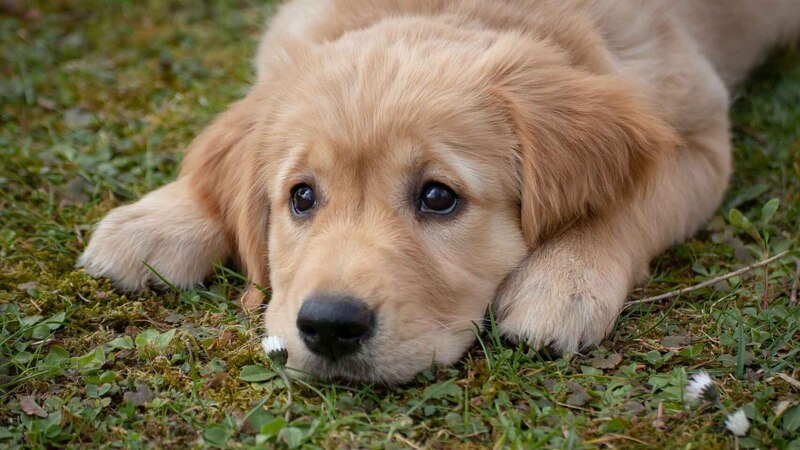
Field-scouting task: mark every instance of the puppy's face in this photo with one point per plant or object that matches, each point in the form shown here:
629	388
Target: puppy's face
392	219
394	182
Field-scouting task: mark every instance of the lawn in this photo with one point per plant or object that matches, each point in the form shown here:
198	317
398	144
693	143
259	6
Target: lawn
97	98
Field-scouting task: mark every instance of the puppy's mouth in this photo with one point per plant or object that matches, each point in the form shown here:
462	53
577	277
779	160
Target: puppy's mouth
351	368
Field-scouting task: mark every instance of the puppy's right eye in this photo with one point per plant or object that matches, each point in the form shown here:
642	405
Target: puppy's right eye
303	199
438	199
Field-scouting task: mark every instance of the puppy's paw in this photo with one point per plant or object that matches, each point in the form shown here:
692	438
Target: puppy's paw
566	295
167	230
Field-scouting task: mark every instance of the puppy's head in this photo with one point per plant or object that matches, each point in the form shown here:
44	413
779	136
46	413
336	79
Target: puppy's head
400	176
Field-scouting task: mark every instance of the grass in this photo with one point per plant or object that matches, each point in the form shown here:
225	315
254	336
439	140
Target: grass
96	99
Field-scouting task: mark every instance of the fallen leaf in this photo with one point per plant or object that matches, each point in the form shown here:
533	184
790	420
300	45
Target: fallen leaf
75	191
740	250
77	119
633	408
659	423
29	406
175	318
224	339
14	8
579	396
677	341
142	395
782	407
28	285
216	381
46	103
605	362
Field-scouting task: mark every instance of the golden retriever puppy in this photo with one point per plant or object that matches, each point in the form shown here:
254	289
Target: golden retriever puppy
400	165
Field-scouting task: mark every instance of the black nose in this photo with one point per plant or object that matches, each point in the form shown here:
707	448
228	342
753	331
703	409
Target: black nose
335	326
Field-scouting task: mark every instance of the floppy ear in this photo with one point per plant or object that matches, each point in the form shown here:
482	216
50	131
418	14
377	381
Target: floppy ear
221	167
252	222
586	141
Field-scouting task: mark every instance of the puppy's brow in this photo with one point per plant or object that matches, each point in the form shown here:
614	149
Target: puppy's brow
296	162
463	173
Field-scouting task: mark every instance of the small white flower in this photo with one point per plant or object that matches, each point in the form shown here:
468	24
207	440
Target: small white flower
273	344
700	386
737	423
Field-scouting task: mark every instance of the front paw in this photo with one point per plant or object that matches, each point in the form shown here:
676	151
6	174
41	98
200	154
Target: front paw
566	295
165	230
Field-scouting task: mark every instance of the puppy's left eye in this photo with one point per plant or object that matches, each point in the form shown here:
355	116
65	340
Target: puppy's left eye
303	199
438	199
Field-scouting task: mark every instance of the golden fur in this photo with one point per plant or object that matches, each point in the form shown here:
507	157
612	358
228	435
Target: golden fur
584	137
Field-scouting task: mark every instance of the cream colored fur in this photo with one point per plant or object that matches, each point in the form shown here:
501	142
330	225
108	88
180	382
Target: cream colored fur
584	136
134	235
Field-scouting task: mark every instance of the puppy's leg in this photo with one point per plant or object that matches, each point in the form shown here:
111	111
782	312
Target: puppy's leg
169	229
182	229
569	292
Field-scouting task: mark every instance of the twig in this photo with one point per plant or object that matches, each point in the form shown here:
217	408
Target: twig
707	283
793	295
613	436
786	378
407	442
659	422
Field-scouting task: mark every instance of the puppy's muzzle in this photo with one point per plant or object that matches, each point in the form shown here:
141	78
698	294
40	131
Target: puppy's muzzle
334	326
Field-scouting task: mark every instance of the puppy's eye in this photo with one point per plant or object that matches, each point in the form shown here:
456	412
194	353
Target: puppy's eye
438	199
303	199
